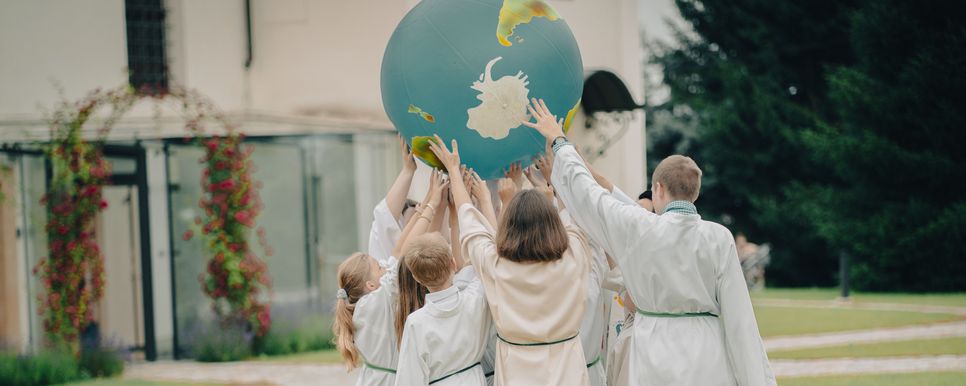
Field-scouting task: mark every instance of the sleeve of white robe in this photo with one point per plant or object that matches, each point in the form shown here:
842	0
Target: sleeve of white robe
476	240
384	233
412	369
741	329
613	224
623	197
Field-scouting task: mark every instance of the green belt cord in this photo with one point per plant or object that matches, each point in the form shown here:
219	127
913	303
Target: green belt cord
456	373
675	315
589	365
536	344
377	368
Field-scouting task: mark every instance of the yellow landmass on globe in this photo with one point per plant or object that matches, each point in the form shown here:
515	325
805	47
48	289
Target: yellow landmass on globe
516	12
420	146
570	117
418	111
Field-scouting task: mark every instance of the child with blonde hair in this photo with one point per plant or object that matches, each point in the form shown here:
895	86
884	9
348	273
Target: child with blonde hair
365	311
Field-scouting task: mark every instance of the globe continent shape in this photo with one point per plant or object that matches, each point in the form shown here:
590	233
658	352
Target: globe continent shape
464	69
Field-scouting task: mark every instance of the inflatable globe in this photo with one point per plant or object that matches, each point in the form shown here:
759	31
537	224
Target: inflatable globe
465	70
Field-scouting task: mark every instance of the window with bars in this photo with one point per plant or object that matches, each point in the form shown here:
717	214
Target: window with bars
146	59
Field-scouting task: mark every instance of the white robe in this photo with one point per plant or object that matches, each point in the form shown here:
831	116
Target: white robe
596	317
375	331
532	303
672	263
383	234
446	338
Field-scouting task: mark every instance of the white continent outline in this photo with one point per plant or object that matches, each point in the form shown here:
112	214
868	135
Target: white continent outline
503	103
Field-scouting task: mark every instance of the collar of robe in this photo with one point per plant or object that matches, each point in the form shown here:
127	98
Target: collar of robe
682	207
443	303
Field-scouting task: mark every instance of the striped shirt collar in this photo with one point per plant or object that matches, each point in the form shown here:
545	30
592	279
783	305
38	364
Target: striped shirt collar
682	207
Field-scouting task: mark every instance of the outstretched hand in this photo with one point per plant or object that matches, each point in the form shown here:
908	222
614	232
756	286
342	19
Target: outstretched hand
507	189
515	173
408	161
450	159
546	123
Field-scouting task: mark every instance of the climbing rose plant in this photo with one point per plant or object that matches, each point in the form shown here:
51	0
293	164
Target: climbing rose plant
235	276
73	273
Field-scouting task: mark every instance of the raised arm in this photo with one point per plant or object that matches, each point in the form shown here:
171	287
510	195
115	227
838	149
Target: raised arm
454	236
748	357
396	197
420	224
481	194
385	230
612	224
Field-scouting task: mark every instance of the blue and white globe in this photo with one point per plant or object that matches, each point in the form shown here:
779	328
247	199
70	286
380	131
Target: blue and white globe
465	70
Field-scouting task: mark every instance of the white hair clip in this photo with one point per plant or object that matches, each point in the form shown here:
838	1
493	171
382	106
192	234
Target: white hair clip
341	294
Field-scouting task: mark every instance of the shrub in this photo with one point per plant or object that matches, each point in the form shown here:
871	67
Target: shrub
311	333
101	362
44	368
222	343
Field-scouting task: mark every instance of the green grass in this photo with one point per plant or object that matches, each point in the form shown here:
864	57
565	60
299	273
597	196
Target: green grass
949	346
778	321
918	379
945	299
323	357
136	382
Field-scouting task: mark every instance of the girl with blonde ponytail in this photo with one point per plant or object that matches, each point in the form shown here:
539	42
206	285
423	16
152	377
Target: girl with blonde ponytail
365	302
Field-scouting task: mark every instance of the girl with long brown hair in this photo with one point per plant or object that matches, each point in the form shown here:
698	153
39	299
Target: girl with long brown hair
534	270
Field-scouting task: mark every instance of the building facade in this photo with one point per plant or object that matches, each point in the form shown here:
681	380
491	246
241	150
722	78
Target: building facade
300	77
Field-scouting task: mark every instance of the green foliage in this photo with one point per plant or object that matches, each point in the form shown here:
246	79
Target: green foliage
825	126
101	362
222	342
312	334
45	368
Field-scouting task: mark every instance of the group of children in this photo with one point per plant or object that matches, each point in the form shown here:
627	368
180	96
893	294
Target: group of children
522	296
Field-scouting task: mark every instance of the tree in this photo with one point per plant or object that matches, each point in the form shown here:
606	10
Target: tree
806	115
893	149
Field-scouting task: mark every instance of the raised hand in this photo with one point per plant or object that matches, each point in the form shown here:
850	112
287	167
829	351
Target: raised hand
507	189
408	161
480	190
546	123
450	159
544	163
515	173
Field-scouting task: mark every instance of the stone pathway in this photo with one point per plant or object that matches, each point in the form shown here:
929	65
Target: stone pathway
819	367
926	309
915	332
242	373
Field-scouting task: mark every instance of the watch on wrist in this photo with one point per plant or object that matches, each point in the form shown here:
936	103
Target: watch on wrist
558	142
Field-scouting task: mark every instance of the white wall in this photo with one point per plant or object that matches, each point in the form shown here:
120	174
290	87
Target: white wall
79	44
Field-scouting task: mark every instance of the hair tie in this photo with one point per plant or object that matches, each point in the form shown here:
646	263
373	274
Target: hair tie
341	294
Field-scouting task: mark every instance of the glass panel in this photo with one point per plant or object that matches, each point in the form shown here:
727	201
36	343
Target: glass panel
123	165
34	178
279	168
191	305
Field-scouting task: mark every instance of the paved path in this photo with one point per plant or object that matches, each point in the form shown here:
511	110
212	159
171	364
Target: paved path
919	331
248	373
926	309
819	367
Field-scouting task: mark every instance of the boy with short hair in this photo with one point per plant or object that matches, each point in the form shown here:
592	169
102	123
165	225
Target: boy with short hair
695	324
443	342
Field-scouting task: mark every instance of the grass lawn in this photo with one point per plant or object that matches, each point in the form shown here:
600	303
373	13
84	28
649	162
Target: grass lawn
918	379
136	382
777	321
947	299
952	346
324	356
